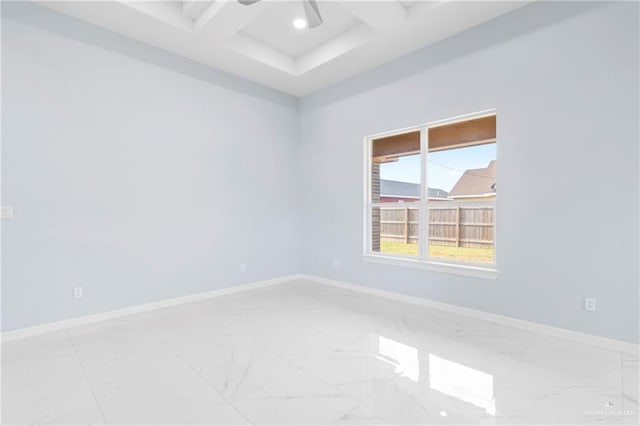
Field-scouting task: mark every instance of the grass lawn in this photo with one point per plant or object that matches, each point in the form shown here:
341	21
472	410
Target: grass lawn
454	253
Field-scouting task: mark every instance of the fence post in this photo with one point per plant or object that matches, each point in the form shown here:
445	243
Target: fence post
458	226
376	212
406	225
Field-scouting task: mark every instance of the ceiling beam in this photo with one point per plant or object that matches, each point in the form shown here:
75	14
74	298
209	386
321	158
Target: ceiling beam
210	14
167	12
193	9
382	16
188	6
261	52
224	18
335	47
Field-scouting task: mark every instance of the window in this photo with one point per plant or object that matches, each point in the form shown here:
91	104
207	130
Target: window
431	193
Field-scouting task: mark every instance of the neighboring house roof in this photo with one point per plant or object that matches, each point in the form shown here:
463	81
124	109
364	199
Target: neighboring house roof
438	193
476	183
394	188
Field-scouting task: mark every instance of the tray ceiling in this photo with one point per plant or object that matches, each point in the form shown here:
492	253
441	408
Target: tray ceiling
260	43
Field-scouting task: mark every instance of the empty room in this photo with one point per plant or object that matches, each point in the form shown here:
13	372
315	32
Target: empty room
314	212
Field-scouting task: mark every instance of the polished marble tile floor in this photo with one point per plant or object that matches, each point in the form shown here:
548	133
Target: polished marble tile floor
304	353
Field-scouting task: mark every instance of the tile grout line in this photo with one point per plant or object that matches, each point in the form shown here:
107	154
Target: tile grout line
359	403
194	371
231	404
622	384
295	369
622	394
86	376
302	369
174	350
516	364
524	352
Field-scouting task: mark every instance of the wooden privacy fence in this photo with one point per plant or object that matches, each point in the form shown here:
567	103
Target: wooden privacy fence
399	224
466	225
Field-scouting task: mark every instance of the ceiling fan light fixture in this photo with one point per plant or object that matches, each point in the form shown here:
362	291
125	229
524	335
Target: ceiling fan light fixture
311	11
299	23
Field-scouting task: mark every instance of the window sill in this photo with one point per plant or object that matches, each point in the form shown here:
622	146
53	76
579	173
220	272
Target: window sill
488	273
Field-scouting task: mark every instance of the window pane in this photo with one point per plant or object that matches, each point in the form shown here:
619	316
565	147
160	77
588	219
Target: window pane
400	180
462	231
394	230
395	169
462	193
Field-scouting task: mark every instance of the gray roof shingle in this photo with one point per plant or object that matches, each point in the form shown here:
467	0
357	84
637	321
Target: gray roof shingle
394	188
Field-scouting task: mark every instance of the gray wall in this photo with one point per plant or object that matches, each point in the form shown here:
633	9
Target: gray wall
160	187
134	173
564	80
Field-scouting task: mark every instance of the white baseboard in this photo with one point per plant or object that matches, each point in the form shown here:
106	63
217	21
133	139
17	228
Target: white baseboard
548	330
103	316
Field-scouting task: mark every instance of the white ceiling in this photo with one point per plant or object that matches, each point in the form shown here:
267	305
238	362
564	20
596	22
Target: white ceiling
274	27
259	42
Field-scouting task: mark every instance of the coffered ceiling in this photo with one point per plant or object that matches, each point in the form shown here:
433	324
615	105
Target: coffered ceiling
259	42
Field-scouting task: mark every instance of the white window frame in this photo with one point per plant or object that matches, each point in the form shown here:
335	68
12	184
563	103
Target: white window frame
422	260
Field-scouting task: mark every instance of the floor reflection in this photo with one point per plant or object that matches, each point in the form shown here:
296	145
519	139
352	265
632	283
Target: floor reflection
445	376
403	357
462	382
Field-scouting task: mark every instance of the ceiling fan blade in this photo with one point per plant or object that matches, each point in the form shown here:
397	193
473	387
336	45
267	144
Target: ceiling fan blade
313	13
247	2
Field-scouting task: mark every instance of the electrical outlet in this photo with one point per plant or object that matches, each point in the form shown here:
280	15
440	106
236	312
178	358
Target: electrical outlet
78	292
590	304
243	267
6	212
336	263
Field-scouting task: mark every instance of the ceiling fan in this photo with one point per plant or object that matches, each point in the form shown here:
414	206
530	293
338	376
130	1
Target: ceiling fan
311	10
